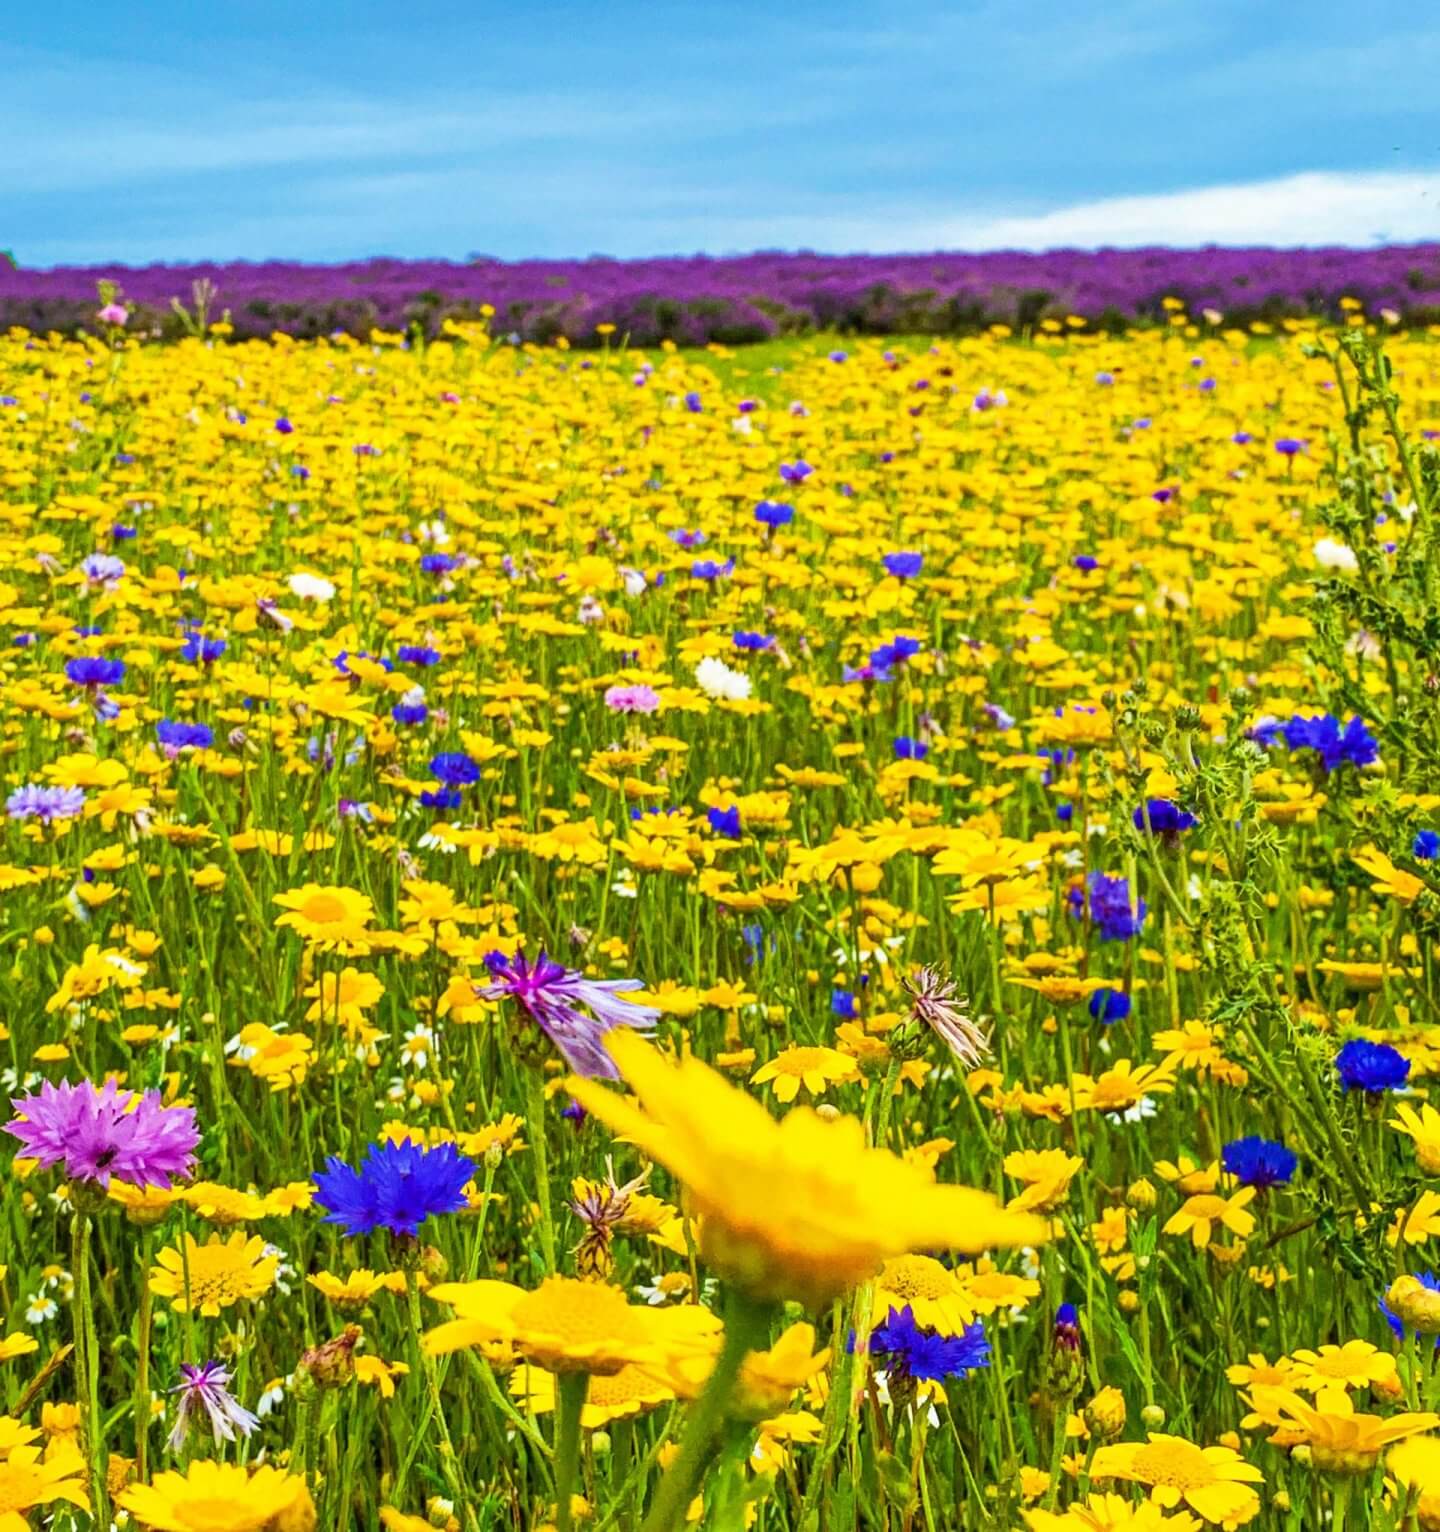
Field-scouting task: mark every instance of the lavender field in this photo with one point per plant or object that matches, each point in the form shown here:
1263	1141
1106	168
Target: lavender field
694	300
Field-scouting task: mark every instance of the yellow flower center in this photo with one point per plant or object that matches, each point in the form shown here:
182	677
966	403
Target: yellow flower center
1177	1468
914	1276
580	1314
324	909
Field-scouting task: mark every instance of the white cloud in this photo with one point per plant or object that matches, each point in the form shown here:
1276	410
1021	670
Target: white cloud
1312	208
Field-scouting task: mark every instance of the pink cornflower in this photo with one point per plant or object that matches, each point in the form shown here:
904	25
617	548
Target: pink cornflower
104	1132
206	1387
632	699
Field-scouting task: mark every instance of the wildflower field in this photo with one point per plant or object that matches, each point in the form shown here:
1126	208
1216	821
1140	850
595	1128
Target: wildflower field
834	937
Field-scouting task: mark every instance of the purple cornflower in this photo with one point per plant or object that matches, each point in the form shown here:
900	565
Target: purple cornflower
796	472
207	1388
397	1187
557	1000
1106	901
97	1133
46	804
632	699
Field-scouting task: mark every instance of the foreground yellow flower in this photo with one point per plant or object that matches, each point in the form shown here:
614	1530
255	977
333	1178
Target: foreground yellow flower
564	1325
1212	1481
327	916
801	1208
1424	1127
1415	1466
26	1481
222	1497
1340	1440
1110	1513
215	1275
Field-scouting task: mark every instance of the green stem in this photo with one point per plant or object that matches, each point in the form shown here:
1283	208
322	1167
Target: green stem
571	1389
142	1363
87	1360
535	1112
746	1326
426	1363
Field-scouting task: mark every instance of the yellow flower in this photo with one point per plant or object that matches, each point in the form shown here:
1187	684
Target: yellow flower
215	1275
1389	879
1110	1513
814	1068
1340	1440
800	1208
933	1293
1424	1128
1047	1174
222	1497
1212	1481
378	1373
327	916
18	1344
1356	1364
221	1204
27	1481
1202	1211
1415	1466
356	1288
612	1396
564	1325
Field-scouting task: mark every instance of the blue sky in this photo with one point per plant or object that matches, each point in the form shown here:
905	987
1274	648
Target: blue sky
177	129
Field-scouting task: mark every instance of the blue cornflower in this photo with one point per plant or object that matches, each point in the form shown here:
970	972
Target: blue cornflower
1426	846
1243	438
417	654
185	736
283	426
923	1355
774	513
743	640
1109	1005
411	713
896	652
1371	1067
92	670
1166	818
796	472
1288	446
438	563
1066	1334
440	798
199	650
1321	732
397	1187
1085	562
907	749
842	1003
709	569
725	821
1259	1162
904	566
454	768
685	538
1106	901
693	404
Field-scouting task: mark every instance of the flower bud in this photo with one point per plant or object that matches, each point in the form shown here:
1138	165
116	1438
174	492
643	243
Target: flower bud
1415	1305
1104	1416
331	1364
1129	1301
1152	1417
1140	1195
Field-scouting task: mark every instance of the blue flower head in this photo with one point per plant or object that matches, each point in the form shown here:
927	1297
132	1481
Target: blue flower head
774	513
1258	1162
454	768
924	1354
904	566
896	652
199	650
410	713
1354	744
92	670
185	736
1371	1066
1426	846
1166	818
725	822
907	749
417	654
397	1187
439	563
1109	1005
1106	901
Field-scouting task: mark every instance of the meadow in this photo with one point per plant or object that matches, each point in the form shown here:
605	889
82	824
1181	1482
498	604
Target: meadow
836	935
